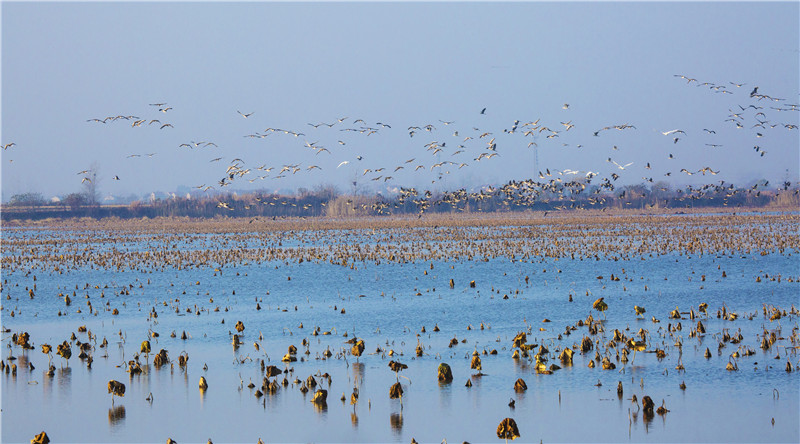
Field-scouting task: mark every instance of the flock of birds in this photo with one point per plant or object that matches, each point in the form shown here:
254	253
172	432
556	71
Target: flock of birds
448	148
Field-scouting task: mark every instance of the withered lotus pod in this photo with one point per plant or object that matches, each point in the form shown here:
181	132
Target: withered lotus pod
520	339
116	388
320	397
508	429
161	358
357	348
396	391
396	366
662	410
475	364
41	438
647	405
445	373
600	305
586	344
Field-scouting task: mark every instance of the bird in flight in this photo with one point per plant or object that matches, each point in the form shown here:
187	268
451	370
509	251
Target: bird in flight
8	145
344	162
483	111
115	177
243	114
667	133
622	167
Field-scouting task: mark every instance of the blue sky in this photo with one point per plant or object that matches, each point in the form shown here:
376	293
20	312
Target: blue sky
402	65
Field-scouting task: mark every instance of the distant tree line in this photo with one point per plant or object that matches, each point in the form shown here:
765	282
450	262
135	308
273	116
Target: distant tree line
328	201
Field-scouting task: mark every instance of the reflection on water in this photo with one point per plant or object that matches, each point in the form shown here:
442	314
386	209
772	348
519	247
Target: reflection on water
321	407
116	416
396	422
354	420
64	381
445	394
358	372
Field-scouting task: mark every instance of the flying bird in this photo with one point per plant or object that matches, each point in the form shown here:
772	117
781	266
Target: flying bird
622	167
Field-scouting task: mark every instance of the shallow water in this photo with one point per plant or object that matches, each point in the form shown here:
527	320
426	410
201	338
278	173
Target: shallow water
386	305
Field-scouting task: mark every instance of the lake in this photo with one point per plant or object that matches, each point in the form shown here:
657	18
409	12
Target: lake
316	285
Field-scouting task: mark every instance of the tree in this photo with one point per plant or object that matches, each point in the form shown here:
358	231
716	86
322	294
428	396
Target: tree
27	199
74	200
91	184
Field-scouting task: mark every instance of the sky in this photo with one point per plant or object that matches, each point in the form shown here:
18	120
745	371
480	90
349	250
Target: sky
540	77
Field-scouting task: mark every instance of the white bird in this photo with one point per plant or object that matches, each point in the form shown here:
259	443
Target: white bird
667	133
243	114
344	162
622	167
